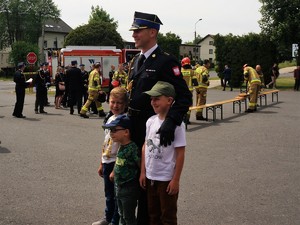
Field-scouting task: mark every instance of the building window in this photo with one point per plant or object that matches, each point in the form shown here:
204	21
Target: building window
45	44
211	51
55	44
211	42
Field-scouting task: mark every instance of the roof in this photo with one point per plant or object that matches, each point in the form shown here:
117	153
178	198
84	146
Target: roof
209	35
57	26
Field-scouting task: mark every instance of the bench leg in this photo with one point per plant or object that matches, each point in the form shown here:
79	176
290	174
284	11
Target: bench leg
275	93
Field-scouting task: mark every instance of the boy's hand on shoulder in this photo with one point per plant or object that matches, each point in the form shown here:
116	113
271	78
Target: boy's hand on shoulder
173	187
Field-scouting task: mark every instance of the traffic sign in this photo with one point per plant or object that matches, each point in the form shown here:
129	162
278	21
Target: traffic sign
31	58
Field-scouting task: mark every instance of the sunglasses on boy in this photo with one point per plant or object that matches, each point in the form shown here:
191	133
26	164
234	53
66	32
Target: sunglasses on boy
114	130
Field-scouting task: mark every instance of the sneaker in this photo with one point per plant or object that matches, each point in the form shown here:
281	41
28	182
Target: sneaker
101	222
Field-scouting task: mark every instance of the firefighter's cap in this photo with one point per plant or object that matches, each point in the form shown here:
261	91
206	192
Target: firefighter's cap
21	64
162	88
121	120
144	21
74	62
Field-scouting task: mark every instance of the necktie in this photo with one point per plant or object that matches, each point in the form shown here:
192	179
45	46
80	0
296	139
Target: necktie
141	61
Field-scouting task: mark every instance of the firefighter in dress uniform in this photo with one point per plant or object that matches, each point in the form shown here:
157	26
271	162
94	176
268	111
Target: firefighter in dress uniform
202	74
21	85
75	86
190	79
85	80
146	68
253	79
94	89
40	81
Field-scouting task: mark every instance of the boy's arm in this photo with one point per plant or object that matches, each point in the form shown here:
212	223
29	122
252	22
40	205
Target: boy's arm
173	187
143	169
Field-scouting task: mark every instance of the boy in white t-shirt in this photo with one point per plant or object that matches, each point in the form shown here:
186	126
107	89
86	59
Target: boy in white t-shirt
161	166
118	101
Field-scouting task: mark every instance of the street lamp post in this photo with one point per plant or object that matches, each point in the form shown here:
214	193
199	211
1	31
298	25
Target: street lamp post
195	30
196	37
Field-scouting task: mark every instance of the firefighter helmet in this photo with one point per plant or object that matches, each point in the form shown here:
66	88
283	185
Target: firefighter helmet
185	61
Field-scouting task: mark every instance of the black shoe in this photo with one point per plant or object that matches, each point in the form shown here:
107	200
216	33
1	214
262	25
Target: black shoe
249	111
71	111
84	116
200	118
43	112
20	116
102	113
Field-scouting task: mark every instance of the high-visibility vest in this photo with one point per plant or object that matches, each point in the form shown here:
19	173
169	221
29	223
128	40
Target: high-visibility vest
188	75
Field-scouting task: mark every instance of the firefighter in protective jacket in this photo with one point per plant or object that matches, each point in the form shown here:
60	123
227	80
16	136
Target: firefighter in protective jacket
202	74
190	79
251	76
94	88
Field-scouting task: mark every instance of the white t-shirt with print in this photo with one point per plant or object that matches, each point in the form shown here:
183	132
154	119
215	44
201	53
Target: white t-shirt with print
160	160
110	148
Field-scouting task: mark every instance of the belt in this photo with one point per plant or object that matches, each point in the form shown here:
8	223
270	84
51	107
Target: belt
133	112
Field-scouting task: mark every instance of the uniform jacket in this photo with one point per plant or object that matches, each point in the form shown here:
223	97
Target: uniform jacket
159	66
40	80
251	75
74	79
19	79
94	81
202	72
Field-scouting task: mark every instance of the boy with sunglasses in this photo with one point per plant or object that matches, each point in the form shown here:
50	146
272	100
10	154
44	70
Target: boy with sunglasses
117	103
126	170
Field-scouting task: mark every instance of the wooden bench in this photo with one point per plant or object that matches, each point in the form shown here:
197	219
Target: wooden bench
239	100
263	95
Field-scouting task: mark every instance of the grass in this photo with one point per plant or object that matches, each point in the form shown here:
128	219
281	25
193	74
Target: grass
285	83
287	64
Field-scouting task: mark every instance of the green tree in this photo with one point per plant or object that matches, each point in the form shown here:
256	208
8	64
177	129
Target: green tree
96	33
20	49
170	43
23	20
281	22
236	51
99	14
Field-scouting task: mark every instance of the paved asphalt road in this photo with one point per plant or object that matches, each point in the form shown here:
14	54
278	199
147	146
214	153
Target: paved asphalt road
243	170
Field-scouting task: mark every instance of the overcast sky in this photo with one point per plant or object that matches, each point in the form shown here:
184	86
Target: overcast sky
178	16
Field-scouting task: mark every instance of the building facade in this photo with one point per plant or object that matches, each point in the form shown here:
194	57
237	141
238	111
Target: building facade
207	48
191	51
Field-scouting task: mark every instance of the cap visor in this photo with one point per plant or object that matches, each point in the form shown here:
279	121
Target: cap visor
138	28
153	93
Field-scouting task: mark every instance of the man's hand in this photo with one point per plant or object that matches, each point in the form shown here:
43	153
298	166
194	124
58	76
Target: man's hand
167	131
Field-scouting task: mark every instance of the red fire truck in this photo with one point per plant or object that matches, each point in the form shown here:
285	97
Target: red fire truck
88	55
